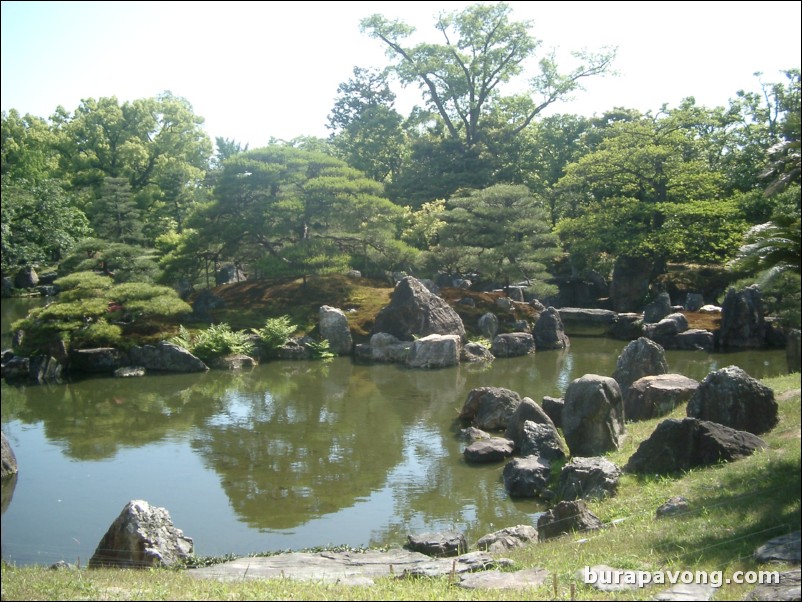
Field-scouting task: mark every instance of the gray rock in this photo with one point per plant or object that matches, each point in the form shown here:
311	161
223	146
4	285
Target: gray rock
581	321
295	349
346	568
488	326
494	449
657	309
553	406
415	312
593	415
334	328
504	303
630	282
228	274
472	434
668	327
62	565
674	506
565	517
17	368
742	319
495	580
441	544
26	278
694	301
785	548
693	339
526	410
385	347
165	357
474	352
434	351
541	440
45	369
527	477
98	360
642	357
522	326
653	396
679	445
788	588
489	408
9	460
465	563
507	539
142	536
731	397
549	331
513	344
206	302
609	579
626	327
588	478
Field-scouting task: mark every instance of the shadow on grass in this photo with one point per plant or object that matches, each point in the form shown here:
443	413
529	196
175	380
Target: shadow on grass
748	508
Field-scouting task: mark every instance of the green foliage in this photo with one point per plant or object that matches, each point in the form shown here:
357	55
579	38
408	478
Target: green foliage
40	223
97	334
215	341
275	333
320	349
501	232
121	261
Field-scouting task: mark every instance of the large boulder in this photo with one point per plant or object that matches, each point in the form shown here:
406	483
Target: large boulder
440	544
228	274
513	344
142	536
733	398
507	539
582	321
653	396
549	331
527	477
667	327
434	351
641	357
657	309
679	445
415	312
334	328
742	321
567	516
494	449
542	441
9	460
165	357
489	408
386	348
593	415
98	360
588	478
488	325
26	278
527	410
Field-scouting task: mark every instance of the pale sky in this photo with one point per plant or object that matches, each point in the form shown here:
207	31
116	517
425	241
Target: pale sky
256	70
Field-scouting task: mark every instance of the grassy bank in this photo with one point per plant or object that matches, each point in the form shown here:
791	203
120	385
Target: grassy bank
734	508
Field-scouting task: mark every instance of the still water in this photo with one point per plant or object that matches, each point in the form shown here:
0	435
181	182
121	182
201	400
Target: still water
287	455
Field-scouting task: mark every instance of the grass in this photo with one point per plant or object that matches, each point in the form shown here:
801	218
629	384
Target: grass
734	508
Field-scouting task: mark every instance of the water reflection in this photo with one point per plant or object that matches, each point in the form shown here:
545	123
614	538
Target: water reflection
285	455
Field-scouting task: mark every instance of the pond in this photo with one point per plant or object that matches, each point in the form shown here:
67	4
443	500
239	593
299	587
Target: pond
287	455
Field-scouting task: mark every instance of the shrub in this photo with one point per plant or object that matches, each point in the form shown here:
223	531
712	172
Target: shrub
98	334
275	333
217	340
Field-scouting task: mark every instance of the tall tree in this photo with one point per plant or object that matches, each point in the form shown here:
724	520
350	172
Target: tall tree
482	49
298	212
366	129
502	233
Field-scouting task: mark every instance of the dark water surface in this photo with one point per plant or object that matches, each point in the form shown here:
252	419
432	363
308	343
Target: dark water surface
287	455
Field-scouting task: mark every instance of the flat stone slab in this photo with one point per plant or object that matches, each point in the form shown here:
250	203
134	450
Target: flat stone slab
346	568
501	580
689	591
785	548
787	589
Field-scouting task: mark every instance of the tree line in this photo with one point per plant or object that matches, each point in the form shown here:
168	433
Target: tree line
474	180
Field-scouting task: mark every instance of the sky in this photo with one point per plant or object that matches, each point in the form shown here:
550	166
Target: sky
261	70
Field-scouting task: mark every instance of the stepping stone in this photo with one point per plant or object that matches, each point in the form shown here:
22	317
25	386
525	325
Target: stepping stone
500	580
